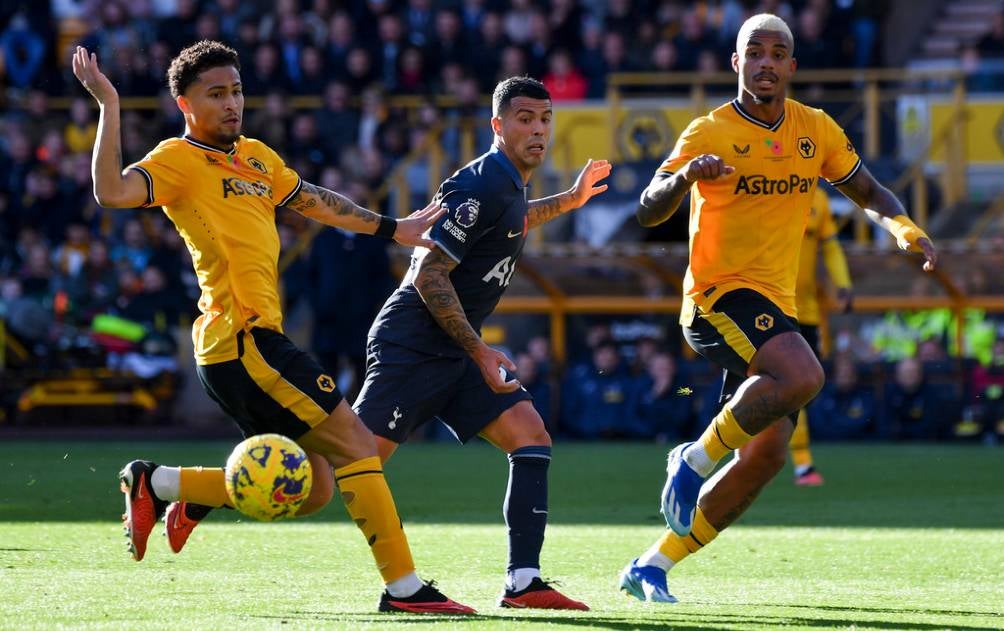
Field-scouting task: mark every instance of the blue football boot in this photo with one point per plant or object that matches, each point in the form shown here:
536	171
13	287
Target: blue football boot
647	583
679	494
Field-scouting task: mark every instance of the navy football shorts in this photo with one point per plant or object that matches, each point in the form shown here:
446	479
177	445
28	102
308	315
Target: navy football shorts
405	389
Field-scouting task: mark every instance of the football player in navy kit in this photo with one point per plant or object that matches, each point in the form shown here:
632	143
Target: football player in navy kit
425	357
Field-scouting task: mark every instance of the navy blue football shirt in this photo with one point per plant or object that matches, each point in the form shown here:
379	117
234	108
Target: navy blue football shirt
484	231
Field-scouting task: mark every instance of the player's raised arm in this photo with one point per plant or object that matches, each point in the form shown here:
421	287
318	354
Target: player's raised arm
436	289
586	186
333	209
112	187
665	192
885	209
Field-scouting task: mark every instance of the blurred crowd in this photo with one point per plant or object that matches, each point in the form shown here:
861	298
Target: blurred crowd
643	390
64	260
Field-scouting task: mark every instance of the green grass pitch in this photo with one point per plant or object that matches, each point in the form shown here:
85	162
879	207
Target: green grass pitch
900	537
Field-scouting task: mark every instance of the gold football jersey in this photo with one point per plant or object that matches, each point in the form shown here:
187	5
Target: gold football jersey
746	228
223	205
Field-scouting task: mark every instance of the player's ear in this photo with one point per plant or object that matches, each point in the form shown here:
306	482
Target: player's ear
497	125
735	62
183	105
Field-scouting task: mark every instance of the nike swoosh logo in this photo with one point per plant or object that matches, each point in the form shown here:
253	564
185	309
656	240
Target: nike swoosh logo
513	235
538	512
139	489
279	497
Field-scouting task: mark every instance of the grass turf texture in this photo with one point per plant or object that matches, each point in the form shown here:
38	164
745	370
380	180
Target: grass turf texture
900	537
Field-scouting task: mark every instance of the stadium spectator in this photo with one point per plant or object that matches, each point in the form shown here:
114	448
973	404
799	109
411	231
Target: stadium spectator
563	80
987	395
341	40
845	409
485	54
660	409
312	75
154	305
448	45
134	251
516	21
597	403
92	289
913	408
529	374
348	278
337	121
23	52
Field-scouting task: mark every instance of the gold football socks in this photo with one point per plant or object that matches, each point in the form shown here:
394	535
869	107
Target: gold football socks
370	504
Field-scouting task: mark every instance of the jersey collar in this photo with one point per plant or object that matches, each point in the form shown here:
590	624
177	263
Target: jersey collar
507	166
756	121
202	145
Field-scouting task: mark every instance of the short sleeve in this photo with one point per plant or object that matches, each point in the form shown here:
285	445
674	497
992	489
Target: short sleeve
688	146
163	170
827	226
468	217
286	182
840	159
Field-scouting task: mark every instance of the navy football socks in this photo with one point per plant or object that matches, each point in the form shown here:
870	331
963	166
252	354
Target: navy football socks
525	506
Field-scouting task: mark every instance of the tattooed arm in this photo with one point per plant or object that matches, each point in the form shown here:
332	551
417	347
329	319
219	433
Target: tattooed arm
436	289
547	208
333	209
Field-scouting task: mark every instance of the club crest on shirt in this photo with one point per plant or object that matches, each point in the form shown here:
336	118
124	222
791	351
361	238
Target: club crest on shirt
466	214
257	164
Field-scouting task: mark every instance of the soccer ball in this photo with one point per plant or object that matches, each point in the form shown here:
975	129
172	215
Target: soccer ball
268	477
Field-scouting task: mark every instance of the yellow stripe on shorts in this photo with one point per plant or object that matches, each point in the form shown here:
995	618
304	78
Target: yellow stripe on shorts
275	385
733	335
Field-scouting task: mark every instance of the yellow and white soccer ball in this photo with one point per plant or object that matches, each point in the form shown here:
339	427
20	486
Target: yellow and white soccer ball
268	477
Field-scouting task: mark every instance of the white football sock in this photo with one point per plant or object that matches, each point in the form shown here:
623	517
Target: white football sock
652	556
166	483
519	579
699	460
404	586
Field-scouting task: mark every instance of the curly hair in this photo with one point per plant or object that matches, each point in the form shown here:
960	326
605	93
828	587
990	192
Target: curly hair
196	59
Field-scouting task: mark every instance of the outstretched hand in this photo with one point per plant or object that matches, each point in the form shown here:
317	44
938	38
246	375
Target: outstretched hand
86	70
585	186
412	229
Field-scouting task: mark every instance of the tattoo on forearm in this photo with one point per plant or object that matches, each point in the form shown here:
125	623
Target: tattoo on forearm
436	289
313	197
545	209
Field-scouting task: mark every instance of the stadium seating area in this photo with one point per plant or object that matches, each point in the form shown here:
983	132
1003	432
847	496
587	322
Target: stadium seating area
381	69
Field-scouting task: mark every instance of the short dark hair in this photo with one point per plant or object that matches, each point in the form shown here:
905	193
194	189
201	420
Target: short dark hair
510	88
196	59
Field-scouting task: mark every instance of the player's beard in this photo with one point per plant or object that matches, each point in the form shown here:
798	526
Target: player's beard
225	138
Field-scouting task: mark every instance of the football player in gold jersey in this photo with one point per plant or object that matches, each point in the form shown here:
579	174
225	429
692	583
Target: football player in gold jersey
221	190
751	167
820	237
